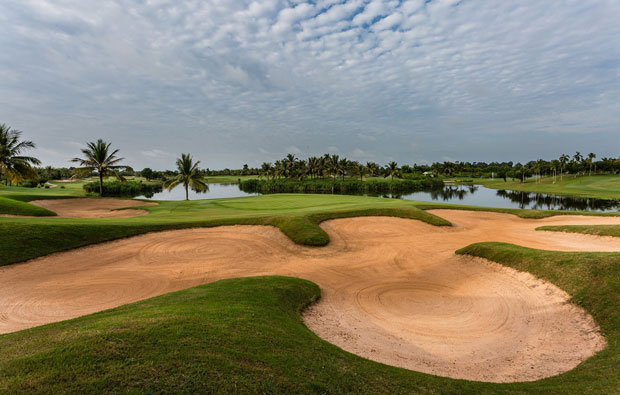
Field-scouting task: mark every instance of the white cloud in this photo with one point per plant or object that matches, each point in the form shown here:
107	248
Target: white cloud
225	77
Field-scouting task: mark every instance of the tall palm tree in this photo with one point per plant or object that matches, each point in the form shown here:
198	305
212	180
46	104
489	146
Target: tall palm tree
14	166
189	176
334	165
343	164
98	158
266	169
591	157
563	161
372	167
361	170
392	170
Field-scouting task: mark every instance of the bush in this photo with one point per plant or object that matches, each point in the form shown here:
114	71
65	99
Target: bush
28	184
128	189
338	186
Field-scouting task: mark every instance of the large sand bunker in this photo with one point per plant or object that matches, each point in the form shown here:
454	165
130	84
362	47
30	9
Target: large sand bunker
393	289
93	208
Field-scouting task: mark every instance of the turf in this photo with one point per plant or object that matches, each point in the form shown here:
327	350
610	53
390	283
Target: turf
16	207
600	186
593	281
298	216
246	336
522	213
597	230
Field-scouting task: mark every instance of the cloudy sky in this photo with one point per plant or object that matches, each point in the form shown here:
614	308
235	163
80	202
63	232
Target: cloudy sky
240	81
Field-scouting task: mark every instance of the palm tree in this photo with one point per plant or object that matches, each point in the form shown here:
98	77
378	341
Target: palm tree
591	157
13	166
343	164
334	164
361	170
189	176
266	169
392	170
98	158
563	161
372	167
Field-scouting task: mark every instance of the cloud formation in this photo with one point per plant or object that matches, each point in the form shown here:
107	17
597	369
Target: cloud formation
241	81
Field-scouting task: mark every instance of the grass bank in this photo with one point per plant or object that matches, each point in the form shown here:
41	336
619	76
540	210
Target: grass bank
16	207
246	336
597	230
599	186
298	216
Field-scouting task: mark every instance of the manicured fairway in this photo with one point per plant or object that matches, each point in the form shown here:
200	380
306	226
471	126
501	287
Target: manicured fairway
603	187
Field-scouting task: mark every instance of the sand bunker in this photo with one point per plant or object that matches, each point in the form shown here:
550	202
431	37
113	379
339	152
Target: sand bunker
93	208
393	289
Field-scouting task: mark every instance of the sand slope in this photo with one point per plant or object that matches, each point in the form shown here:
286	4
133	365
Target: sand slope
93	208
393	289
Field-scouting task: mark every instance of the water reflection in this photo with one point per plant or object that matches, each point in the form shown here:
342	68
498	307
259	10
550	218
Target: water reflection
471	195
540	201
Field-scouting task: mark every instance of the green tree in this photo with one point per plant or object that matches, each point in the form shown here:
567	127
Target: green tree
188	175
392	170
147	173
99	159
13	165
563	161
591	157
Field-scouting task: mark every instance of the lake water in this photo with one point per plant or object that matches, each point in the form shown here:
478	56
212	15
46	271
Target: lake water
471	195
216	191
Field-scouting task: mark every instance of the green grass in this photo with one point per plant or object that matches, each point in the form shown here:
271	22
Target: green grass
522	213
602	187
16	207
246	336
598	230
298	216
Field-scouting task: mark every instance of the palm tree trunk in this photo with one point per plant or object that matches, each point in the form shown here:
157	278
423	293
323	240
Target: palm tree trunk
100	184
186	192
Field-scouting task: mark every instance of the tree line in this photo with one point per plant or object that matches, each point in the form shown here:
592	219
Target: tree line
99	159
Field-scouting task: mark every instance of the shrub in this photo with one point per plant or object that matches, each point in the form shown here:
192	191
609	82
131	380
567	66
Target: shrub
129	188
338	186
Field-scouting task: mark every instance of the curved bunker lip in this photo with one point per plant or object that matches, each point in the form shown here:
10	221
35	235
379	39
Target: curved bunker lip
94	207
393	289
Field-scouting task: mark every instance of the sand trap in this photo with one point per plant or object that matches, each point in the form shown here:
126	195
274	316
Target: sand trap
93	208
393	289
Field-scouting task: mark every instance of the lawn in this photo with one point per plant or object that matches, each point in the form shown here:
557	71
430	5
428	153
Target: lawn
600	186
246	335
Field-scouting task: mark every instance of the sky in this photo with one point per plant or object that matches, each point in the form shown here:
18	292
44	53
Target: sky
241	81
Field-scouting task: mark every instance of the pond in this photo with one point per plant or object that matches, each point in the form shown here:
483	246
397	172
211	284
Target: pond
216	191
471	195
477	195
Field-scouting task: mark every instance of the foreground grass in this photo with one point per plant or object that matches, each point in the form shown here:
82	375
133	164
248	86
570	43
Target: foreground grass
600	186
297	216
246	336
593	281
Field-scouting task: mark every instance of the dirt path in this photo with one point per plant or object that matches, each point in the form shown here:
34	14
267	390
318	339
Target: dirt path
393	289
93	208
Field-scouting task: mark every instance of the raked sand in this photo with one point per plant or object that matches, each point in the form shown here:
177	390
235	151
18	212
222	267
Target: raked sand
392	289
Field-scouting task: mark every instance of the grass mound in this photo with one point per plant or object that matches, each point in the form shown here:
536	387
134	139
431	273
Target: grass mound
302	226
593	281
16	207
246	336
597	230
